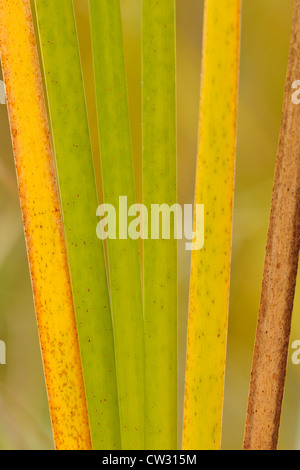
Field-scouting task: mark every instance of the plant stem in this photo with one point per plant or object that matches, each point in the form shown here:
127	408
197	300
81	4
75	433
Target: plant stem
43	227
64	82
210	270
160	256
280	272
118	180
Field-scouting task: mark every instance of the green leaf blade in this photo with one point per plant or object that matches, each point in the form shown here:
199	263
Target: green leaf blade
160	256
65	91
118	180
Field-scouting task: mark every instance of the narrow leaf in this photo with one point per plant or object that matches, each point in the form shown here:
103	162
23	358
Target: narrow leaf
210	271
43	227
160	256
60	52
118	180
280	272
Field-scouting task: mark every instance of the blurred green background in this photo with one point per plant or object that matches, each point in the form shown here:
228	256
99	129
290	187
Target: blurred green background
266	25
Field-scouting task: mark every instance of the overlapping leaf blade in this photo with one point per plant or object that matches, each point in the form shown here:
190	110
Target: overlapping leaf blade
43	227
210	271
160	256
63	76
118	180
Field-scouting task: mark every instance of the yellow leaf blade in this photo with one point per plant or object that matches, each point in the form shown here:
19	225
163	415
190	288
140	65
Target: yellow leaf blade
210	271
43	227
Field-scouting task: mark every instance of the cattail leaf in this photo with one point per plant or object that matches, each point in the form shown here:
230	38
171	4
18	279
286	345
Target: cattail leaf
210	271
43	227
118	180
63	76
160	256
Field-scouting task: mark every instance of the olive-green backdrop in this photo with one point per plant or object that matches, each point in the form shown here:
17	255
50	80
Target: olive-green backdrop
266	24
